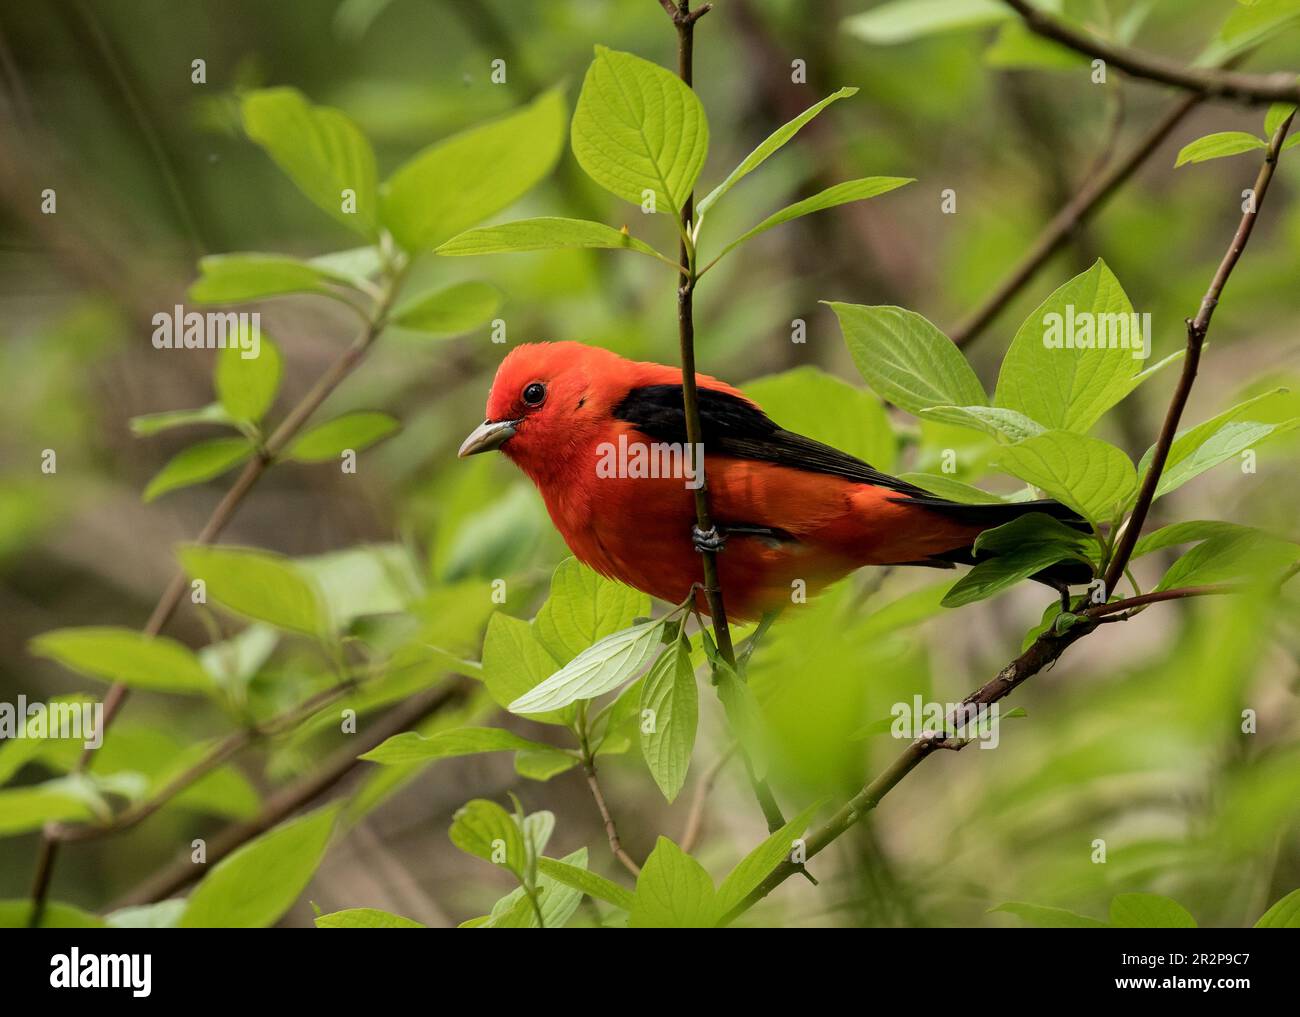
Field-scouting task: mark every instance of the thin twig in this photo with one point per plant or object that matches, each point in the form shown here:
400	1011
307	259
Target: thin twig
1049	646
1196	330
1118	606
293	797
1206	82
221	515
223	751
695	819
611	830
684	19
1077	211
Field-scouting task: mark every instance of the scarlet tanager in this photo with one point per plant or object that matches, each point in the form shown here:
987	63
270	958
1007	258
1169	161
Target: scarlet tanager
785	507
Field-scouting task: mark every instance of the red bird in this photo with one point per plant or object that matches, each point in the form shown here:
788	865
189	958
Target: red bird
786	507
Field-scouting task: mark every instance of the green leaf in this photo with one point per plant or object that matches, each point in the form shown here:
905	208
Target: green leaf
351	431
65	799
906	359
1240	555
1070	388
353	267
991	577
1040	916
544	234
1277	114
464	179
638	128
904	20
409	747
600	668
365	918
165	914
1093	477
811	402
127	656
953	490
1216	146
1184	533
515	662
16	914
484	829
236	278
320	149
258	584
255	885
246	386
673	891
839	194
759	863
672	699
538	764
202	461
743	713
450	311
771	144
152	423
584	607
1285	914
1148	911
558	901
994	420
1031	528
1212	442
590	883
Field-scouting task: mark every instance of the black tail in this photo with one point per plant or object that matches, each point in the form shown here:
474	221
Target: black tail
1069	572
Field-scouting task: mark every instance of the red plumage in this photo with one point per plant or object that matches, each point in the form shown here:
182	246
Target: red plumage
828	513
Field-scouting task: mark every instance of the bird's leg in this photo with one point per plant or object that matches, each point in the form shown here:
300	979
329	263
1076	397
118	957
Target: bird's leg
715	538
712	539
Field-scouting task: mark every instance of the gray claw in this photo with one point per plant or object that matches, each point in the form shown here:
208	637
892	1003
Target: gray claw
711	540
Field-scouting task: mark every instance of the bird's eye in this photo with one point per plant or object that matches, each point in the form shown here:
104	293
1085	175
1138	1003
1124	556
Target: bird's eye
535	394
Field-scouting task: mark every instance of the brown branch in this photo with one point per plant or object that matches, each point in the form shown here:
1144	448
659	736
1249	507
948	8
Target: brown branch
221	515
684	19
1091	196
1208	83
1049	646
695	819
1196	330
289	799
218	755
611	830
1118	606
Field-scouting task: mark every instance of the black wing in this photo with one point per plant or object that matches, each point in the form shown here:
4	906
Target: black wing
731	426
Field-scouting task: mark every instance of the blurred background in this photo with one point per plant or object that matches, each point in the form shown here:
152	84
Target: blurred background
1134	738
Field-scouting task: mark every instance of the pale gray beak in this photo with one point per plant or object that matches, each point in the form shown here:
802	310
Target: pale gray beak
489	435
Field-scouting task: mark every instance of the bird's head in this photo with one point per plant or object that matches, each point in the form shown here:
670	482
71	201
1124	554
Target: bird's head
546	399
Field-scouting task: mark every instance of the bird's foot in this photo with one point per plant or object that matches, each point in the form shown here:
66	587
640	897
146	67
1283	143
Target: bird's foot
712	540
